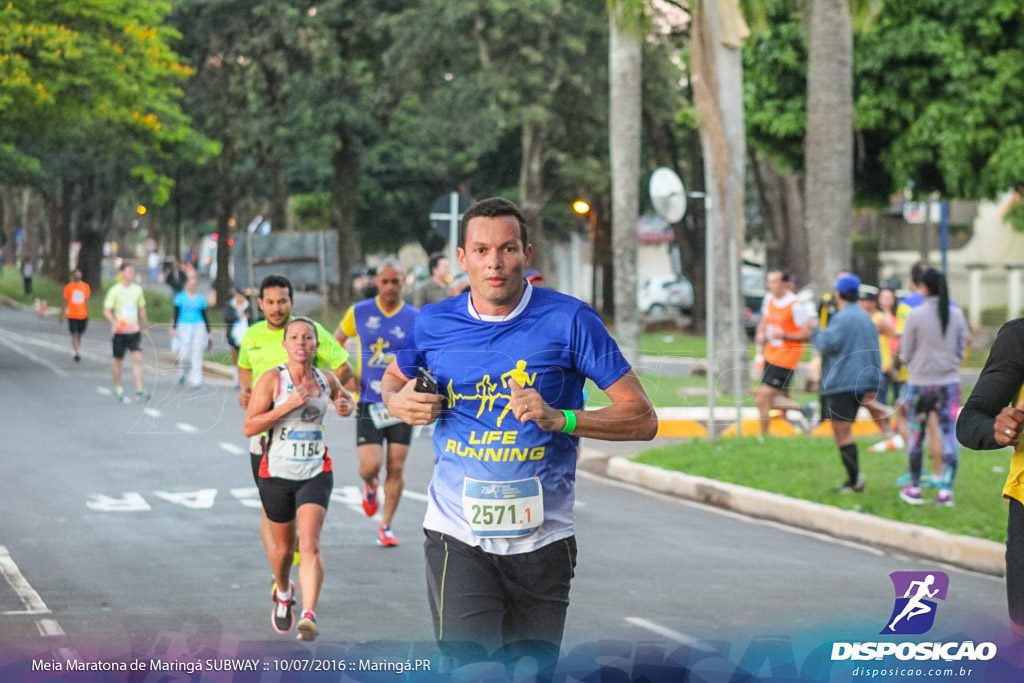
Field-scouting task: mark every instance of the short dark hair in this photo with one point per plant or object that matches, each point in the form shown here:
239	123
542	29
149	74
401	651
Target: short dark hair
277	281
125	264
432	263
494	207
917	271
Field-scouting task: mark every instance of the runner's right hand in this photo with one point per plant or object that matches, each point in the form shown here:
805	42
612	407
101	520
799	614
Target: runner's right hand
1008	425
413	407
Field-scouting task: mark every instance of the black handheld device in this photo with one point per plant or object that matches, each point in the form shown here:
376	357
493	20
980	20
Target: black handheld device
425	382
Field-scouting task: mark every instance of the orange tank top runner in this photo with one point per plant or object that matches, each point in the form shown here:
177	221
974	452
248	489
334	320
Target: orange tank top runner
779	321
76	294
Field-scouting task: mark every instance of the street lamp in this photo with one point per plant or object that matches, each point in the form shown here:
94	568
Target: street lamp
581	207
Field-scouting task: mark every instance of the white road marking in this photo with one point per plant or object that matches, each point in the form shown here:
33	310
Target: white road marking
152	412
666	632
233	449
32	357
68	654
28	596
249	497
130	502
49	627
194	500
106	391
186	427
413	495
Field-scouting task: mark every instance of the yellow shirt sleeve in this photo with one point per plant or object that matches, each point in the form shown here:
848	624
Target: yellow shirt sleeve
330	353
348	322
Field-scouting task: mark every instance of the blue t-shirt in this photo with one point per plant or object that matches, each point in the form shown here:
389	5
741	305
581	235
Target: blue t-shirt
551	342
380	338
190	308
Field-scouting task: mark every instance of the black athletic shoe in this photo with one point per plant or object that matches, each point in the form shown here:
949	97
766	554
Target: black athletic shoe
281	618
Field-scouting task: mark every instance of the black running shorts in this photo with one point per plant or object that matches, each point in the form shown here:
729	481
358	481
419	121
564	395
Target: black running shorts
1015	563
776	377
842	407
282	497
77	325
494	600
366	433
126	342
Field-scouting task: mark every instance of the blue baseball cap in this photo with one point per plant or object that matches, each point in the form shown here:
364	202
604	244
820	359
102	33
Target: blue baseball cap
848	285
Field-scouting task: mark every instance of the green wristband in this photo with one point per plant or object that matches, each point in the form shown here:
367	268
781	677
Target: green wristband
570	422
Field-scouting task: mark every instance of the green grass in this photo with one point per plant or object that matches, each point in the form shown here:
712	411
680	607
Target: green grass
808	467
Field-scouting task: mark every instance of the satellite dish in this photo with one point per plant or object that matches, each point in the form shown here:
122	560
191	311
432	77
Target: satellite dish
668	194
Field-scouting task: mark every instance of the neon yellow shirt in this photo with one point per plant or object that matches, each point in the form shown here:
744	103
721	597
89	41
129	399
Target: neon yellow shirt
261	349
125	303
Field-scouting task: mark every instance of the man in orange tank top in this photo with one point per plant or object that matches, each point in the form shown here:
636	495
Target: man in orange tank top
783	329
76	310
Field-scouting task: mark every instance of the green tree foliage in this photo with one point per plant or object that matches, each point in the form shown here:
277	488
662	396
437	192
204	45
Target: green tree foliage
942	84
88	72
775	84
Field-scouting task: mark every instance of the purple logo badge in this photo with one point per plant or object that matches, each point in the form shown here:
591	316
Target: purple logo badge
916	593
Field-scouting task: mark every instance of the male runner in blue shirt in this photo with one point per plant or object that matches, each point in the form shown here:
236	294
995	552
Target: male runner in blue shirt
380	327
510	362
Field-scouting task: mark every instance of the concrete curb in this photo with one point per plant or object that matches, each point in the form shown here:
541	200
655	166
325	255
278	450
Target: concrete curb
963	551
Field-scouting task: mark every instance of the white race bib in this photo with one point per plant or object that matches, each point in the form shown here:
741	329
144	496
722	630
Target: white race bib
503	509
380	416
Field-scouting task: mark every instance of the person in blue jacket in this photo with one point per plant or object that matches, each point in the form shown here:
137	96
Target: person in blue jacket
851	372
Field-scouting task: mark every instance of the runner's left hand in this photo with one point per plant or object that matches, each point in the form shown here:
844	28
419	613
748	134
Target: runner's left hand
343	403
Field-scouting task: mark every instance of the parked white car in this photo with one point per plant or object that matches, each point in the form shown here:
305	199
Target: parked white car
665	294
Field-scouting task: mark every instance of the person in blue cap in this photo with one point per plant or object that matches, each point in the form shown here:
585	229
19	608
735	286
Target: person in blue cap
851	372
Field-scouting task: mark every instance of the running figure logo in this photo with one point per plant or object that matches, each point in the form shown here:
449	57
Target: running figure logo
487	390
916	592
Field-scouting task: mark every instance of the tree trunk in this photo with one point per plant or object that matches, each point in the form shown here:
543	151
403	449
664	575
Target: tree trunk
225	208
689	235
58	215
718	96
30	226
829	141
783	206
344	198
531	190
279	196
7	222
793	187
624	116
90	258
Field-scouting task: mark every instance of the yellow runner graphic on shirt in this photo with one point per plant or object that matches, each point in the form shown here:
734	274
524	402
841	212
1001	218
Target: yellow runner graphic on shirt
487	391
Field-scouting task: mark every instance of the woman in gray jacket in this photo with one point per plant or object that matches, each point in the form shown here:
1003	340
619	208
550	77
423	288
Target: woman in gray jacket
934	342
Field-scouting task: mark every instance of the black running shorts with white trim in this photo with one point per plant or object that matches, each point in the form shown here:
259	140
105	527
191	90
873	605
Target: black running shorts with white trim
282	497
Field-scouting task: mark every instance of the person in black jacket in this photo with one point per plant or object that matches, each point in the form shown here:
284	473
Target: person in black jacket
993	417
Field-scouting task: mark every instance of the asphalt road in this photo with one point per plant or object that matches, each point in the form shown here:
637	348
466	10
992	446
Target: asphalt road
137	523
